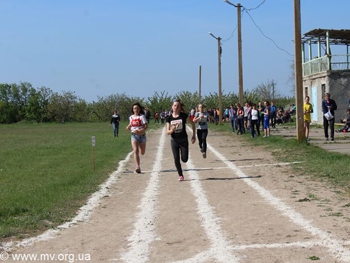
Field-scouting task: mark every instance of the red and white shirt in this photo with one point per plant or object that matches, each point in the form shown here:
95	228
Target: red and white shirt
137	122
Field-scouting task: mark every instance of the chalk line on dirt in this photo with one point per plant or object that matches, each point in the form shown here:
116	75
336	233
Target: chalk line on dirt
225	167
335	246
143	233
83	214
211	224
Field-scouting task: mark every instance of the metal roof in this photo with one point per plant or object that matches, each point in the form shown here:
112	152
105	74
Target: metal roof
336	36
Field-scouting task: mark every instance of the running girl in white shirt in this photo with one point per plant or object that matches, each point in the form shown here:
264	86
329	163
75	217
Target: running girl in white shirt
138	126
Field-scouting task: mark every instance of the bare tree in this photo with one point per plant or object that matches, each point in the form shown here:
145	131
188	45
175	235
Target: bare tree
267	91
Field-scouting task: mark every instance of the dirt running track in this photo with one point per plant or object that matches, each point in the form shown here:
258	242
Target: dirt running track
238	205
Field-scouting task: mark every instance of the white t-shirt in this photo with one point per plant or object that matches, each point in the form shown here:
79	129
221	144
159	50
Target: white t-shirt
255	114
137	122
246	111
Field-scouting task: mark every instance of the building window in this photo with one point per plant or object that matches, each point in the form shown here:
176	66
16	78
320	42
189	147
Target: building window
306	92
323	87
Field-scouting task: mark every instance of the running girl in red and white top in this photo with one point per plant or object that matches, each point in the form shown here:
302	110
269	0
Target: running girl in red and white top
138	126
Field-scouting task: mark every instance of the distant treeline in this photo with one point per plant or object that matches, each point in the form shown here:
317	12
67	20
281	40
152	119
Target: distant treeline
24	103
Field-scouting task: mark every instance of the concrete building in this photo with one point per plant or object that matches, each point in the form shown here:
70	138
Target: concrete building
326	68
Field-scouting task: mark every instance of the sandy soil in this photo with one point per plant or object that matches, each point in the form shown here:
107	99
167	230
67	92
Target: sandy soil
237	205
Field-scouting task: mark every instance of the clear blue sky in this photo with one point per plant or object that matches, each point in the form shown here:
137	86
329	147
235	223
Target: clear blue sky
104	47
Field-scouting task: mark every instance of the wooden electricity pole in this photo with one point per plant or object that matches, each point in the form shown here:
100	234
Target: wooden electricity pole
298	73
219	75
200	84
240	67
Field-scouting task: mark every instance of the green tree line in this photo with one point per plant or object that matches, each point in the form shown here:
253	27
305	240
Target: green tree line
24	103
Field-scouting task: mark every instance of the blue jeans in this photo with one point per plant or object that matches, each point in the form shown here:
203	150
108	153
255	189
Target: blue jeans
233	124
115	129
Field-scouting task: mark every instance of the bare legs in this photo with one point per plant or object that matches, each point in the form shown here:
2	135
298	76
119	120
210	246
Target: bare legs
307	129
138	148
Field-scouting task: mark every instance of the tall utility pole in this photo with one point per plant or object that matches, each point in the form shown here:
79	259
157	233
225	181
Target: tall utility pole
240	67
200	84
273	90
219	75
298	72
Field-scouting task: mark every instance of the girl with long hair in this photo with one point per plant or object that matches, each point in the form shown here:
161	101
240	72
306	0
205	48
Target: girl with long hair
138	126
176	127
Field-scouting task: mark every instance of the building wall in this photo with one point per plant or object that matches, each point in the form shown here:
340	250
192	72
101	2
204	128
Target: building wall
337	83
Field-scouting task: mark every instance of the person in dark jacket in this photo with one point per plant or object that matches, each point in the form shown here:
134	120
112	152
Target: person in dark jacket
328	105
115	122
147	114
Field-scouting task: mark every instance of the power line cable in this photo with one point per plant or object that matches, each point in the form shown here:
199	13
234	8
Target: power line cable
246	10
251	9
231	36
267	36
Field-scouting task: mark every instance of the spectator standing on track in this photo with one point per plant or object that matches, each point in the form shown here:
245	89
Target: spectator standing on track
232	117
240	119
254	121
138	126
201	118
261	115
246	109
307	116
176	127
273	113
266	119
147	114
156	117
227	114
217	115
212	115
328	105
115	122
162	116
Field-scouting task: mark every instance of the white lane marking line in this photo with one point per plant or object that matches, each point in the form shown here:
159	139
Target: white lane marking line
267	164
83	215
225	167
335	246
143	233
304	244
210	222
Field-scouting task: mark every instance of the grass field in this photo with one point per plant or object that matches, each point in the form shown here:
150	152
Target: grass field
46	170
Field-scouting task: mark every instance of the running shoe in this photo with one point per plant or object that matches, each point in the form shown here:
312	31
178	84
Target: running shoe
138	170
204	155
181	178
